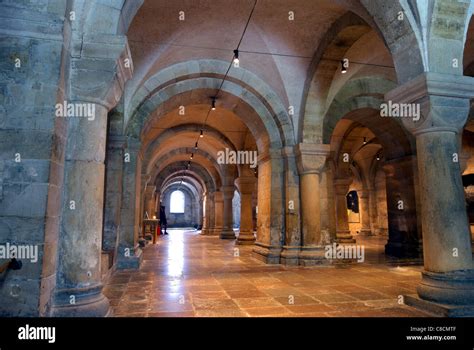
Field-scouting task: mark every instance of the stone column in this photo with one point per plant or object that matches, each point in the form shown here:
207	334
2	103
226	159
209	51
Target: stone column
364	209
343	234
270	224
205	219
129	254
227	219
150	200
113	193
218	212
157	204
246	187
448	276
254	209
292	244
143	202
403	235
211	213
96	77
311	160
200	213
373	212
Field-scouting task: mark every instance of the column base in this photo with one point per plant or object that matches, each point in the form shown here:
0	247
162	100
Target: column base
443	310
266	253
344	237
404	249
246	238
452	288
365	232
131	262
81	302
215	231
290	255
313	256
206	232
227	234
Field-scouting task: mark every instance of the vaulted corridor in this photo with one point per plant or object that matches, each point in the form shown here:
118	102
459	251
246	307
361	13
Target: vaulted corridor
186	275
307	157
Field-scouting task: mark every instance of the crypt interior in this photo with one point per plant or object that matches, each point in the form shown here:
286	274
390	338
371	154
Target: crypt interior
255	128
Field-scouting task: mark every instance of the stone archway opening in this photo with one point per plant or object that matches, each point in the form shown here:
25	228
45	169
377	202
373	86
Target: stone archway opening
385	187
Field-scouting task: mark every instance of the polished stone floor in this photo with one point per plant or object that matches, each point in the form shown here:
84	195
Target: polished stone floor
186	274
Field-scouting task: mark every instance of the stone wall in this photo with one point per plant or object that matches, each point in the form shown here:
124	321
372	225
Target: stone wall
190	216
31	149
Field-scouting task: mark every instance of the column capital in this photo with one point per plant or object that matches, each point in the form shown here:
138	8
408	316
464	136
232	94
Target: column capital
133	144
273	153
228	191
443	99
100	66
116	141
246	185
399	165
342	186
218	196
311	157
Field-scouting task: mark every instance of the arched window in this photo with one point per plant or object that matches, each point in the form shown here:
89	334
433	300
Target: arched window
177	202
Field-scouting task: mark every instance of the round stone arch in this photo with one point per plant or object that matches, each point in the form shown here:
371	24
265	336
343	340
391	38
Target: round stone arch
243	84
210	183
382	18
193	92
366	94
343	33
276	123
195	186
395	139
103	16
199	155
198	160
184	128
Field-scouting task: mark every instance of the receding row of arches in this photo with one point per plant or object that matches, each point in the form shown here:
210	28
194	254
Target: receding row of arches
316	130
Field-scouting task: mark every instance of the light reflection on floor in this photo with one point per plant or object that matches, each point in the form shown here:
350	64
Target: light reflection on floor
186	274
175	253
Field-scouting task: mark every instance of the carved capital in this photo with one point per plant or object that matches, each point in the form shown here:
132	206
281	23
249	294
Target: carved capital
443	99
341	186
311	157
100	66
246	185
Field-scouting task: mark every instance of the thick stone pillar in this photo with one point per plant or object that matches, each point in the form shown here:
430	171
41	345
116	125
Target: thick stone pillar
311	160
292	245
364	209
270	224
227	219
157	204
113	193
211	213
205	219
448	277
218	212
246	187
150	200
373	212
403	235
343	234
200	213
96	77
129	255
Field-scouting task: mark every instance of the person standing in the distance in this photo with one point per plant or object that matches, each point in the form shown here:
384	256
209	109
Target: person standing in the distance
163	223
